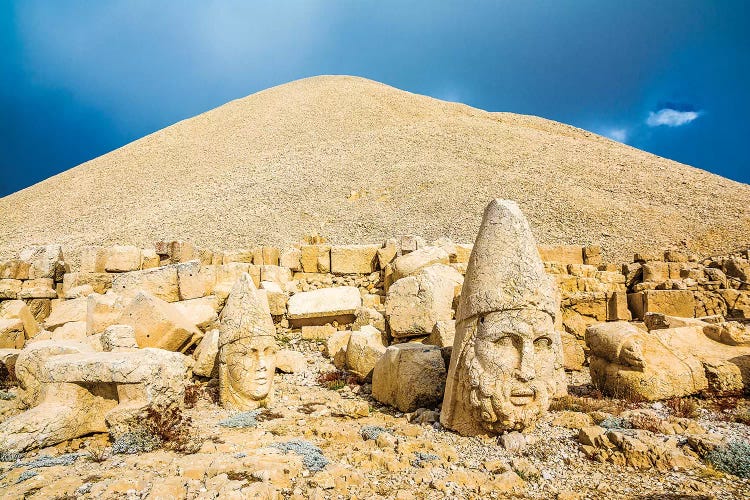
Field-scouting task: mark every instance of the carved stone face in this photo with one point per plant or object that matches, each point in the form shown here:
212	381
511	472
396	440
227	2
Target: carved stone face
512	368
249	368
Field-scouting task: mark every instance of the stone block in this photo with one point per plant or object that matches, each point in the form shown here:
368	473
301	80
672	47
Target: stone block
116	338
120	259
387	253
416	303
617	307
277	298
336	345
354	259
12	334
291	258
243	255
40	288
161	282
463	252
17	309
364	350
443	333
9	288
409	376
99	282
324	305
320	332
671	302
573	354
288	361
93	259
564	254
201	312
206	355
65	311
74	330
592	255
738	303
45	261
150	259
159	324
368	316
415	261
14	269
276	274
195	280
103	311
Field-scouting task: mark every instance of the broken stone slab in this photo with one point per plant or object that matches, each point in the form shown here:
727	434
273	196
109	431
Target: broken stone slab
30	363
120	259
158	323
409	376
103	311
161	282
335	349
117	338
40	288
73	330
12	334
195	280
18	309
97	392
354	259
288	361
416	303
206	355
317	332
413	262
290	258
364	349
443	333
201	312
276	296
8	358
64	311
45	261
9	288
14	269
324	306
368	316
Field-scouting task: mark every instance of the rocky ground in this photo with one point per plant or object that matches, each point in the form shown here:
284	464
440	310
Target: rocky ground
325	437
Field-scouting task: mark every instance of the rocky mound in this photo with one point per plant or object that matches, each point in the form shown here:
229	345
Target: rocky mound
357	161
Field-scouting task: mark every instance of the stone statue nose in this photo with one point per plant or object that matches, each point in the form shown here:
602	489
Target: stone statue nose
526	371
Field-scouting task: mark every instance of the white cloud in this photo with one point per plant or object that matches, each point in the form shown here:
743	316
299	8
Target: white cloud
671	117
618	134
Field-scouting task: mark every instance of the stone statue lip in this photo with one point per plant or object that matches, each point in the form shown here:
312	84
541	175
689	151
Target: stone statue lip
522	396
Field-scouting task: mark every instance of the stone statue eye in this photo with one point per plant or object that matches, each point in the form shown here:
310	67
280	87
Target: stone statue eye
543	343
505	341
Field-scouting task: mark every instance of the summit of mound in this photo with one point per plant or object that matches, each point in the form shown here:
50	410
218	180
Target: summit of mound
358	161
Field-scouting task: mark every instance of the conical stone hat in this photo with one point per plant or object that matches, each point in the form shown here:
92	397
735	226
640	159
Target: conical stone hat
505	271
245	315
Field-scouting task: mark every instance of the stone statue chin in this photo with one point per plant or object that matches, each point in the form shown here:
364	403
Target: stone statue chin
511	370
246	375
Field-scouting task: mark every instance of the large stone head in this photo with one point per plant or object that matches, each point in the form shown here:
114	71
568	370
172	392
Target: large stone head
507	361
247	349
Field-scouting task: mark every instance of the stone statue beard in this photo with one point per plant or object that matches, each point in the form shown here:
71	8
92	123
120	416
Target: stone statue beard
489	396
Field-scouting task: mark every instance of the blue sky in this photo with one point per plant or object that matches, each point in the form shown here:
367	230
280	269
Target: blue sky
80	78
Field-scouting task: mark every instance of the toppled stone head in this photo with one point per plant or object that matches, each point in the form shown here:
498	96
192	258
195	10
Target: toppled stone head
507	357
247	348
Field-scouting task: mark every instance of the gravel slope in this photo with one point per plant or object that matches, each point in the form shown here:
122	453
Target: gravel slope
282	163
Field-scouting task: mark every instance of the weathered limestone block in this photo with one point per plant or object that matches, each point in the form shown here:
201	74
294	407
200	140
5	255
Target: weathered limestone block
447	244
630	363
103	311
592	255
617	307
277	298
120	259
413	262
247	349
73	330
266	256
507	360
737	268
368	316
173	252
150	259
463	252
671	302
228	274
117	338
443	334
324	306
159	324
93	259
573	354
315	258
317	332
291	259
99	282
9	288
40	288
8	358
288	361
564	254
364	350
276	274
194	280
30	366
410	243
44	261
160	282
738	303
206	355
709	304
336	345
40	308
409	376
354	259
12	334
17	309
244	255
728	333
65	311
96	392
415	303
388	252
14	269
201	312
